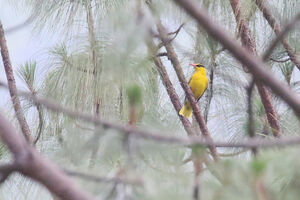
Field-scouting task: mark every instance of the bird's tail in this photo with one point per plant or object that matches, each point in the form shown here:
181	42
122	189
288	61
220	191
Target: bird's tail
186	110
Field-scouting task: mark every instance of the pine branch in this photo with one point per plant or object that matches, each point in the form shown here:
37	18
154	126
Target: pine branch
99	179
249	42
31	164
251	131
277	29
280	61
12	87
169	87
280	37
6	170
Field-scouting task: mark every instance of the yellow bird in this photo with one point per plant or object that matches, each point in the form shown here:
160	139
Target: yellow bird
198	83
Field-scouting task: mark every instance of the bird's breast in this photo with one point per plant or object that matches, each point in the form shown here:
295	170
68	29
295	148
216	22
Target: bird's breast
198	85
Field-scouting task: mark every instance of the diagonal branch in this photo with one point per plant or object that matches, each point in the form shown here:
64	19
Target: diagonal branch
280	36
169	87
6	170
31	164
100	179
277	29
12	86
256	65
249	42
280	61
176	65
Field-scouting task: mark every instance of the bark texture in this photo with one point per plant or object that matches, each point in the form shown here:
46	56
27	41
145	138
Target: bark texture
277	29
28	162
12	86
170	89
249	42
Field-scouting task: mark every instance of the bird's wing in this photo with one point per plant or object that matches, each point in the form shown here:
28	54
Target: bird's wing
203	91
202	94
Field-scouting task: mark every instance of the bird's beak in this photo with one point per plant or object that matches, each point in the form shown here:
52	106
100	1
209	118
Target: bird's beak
194	65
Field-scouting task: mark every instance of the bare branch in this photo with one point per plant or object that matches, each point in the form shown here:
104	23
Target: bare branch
234	153
99	179
6	170
170	88
251	131
31	164
280	34
169	40
162	54
210	92
177	30
280	37
249	42
27	22
280	61
12	87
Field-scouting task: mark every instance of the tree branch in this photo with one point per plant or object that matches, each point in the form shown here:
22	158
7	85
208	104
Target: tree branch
6	170
277	29
249	42
251	131
31	164
169	87
12	86
280	61
162	54
99	179
28	21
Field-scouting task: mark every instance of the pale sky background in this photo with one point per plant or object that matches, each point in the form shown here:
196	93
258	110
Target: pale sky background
22	44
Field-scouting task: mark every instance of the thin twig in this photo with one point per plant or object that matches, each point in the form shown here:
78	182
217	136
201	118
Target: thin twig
251	125
162	54
233	154
41	122
17	27
210	92
100	179
280	61
169	40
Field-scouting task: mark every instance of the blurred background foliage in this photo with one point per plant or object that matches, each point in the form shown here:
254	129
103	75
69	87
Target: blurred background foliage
103	67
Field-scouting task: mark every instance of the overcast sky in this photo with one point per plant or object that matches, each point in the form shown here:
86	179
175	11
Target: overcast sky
23	44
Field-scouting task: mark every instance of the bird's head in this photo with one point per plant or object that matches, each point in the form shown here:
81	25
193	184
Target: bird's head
198	66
